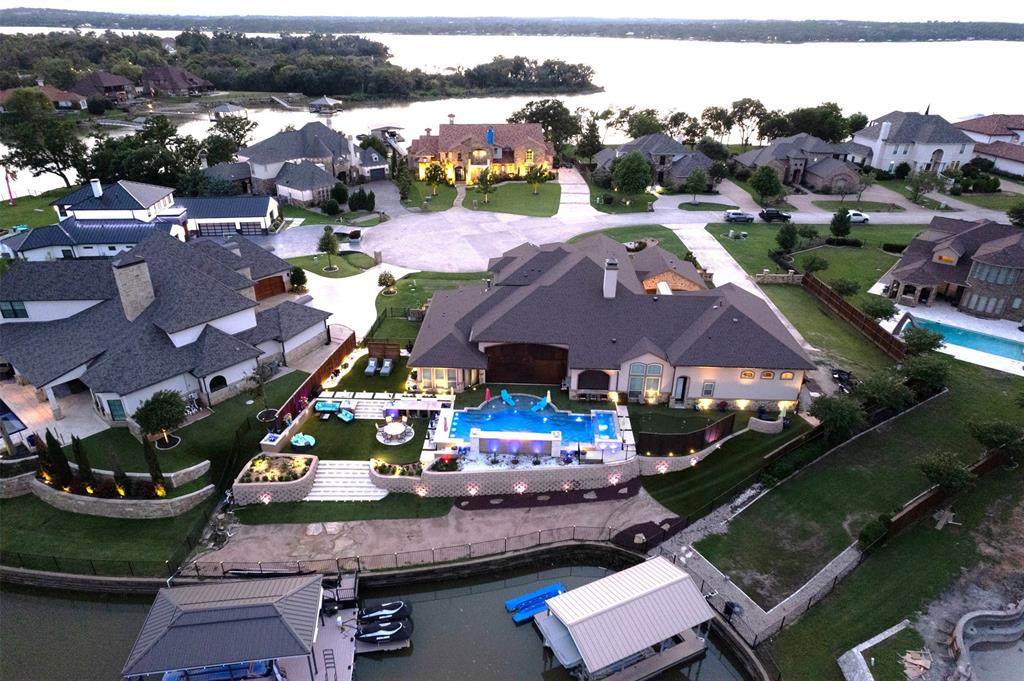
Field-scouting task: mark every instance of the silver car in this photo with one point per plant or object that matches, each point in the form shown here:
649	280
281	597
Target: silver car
738	216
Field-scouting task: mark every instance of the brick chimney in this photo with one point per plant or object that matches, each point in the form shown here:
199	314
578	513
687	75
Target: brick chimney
611	277
134	285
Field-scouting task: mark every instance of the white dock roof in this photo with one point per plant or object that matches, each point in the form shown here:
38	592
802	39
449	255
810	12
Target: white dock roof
623	613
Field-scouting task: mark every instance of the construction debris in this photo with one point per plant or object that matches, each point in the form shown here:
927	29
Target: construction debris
916	663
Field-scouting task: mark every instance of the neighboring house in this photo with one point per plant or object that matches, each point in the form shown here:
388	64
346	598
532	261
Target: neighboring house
170	45
804	159
174	82
235	173
463	150
372	165
580	315
978	267
390	135
672	162
1007	157
994	128
117	89
227	110
165	316
62	100
304	183
314	142
655	267
227	215
924	141
73	238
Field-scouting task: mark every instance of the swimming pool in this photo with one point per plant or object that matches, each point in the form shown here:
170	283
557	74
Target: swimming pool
495	416
10	419
994	345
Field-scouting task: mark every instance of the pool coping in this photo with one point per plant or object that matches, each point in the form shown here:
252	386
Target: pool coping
960	352
962	649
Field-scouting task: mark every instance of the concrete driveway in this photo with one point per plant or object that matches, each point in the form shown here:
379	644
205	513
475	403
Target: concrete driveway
575	199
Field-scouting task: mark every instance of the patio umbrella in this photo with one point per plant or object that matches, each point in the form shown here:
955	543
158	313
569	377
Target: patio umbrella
487	395
549	396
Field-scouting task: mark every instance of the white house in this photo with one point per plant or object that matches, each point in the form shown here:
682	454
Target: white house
305	183
924	141
1006	156
994	128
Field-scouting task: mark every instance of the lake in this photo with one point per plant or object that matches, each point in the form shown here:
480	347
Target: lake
685	76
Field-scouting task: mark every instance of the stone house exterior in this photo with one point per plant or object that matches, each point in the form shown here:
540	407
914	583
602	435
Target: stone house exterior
464	150
670	161
314	142
923	141
804	159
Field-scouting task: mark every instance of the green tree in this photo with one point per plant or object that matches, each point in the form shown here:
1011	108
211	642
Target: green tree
719	171
765	181
745	114
485	184
435	176
256	382
696	183
377	144
841	416
920	340
677	122
786	237
1002	435
925	374
772	126
536	176
718	121
56	71
162	412
884	389
825	121
559	124
59	460
632	174
85	473
37	140
97	105
153	464
694	130
589	142
945	470
844	287
132	72
814	263
856	122
1016	213
879	308
713	149
330	207
808	233
238	129
339	192
121	479
922	182
864	182
840	225
297	279
644	122
328	245
386	280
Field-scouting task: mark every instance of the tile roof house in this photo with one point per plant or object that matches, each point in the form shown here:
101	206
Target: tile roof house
62	100
672	161
314	142
115	88
173	81
165	315
809	160
1007	157
464	149
923	141
580	315
978	267
994	128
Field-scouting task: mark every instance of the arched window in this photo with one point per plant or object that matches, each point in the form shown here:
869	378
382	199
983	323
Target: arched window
768	375
786	376
747	374
218	382
644	380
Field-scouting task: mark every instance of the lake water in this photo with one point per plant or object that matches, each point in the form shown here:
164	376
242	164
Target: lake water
685	76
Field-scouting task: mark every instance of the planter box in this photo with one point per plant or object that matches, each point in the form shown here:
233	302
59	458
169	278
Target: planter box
275	492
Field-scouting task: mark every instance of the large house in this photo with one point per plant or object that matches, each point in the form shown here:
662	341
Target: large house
465	149
672	162
62	100
116	89
978	267
581	316
1005	156
167	315
809	160
174	82
923	141
994	128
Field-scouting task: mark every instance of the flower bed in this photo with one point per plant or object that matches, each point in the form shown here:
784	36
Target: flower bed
397	470
271	478
275	468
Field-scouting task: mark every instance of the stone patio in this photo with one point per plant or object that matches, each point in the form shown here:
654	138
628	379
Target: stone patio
79	418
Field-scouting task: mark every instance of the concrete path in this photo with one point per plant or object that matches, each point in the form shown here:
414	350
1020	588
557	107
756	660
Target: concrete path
575	200
738	196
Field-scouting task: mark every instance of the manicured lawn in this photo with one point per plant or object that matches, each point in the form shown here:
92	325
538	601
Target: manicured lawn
99	448
517	198
701	205
357	441
897	580
900	187
33	528
660	418
421	190
998	201
666	238
348	264
623	203
887	664
837	340
391	507
310	217
777	544
356	381
414	290
779	203
687	493
34	211
865	206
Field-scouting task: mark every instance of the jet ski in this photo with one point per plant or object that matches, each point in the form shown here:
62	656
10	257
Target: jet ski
385	612
384	632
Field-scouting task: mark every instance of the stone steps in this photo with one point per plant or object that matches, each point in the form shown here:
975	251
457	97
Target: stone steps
344	481
369	410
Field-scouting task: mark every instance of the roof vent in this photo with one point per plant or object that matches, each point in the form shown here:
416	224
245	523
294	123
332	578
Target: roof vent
614	340
735	320
654	298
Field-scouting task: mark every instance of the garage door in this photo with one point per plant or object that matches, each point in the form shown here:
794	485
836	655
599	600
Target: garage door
526	363
379	174
217	229
250	228
270	286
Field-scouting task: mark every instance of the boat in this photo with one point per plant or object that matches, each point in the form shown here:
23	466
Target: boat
524	607
384	612
384	632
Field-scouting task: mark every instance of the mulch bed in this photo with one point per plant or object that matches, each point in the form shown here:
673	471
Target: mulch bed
171	442
488	503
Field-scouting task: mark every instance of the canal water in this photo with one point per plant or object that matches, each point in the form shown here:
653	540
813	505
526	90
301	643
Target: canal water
461	633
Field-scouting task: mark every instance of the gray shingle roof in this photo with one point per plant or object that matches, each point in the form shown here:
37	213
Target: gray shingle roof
370	157
304	176
654	260
797	146
210	624
96	82
656	144
313	140
910	127
120	195
58	280
211	207
983	241
686	163
229	172
283	321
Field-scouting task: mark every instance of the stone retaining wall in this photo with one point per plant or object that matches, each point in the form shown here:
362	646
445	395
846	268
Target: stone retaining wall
119	508
16	485
776	278
173	479
527	478
278	492
761	426
659	465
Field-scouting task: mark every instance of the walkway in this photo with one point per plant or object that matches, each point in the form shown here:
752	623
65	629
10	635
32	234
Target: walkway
344	481
350	300
575	201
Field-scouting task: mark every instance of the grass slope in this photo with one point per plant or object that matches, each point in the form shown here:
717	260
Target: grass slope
517	198
34	211
348	263
391	507
666	238
421	191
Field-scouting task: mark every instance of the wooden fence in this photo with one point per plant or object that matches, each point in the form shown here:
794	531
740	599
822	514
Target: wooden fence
379	349
667	444
311	386
882	339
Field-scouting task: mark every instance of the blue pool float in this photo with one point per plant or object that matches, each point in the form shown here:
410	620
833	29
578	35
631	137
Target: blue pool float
506	398
526	606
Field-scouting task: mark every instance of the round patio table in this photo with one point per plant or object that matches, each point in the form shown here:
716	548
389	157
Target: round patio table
395	428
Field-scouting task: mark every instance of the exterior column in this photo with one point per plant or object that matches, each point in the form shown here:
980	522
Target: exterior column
54	406
931	295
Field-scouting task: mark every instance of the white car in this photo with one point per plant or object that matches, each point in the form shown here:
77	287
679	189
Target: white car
857	216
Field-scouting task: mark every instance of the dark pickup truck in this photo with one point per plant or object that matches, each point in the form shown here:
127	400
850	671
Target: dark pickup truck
773	214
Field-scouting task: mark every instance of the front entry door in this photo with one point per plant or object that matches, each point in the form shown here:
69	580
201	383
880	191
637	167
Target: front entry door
679	393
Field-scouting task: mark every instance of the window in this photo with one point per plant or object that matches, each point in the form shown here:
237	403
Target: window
786	376
963	148
707	389
945	259
1016	303
529	155
644	379
116	408
746	374
13	310
111	248
767	375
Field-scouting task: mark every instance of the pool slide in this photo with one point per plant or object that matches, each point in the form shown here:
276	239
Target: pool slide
506	398
544	402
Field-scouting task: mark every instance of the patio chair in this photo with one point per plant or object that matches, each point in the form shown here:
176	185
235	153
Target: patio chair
346	416
371	367
385	368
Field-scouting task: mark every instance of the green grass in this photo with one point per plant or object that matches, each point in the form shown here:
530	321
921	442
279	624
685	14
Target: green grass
837	340
517	198
310	217
702	205
661	418
865	206
420	191
357	441
348	264
34	211
900	187
1002	201
887	654
391	507
777	544
687	493
98	449
666	238
637	203
414	290
779	202
32	527
897	580
356	381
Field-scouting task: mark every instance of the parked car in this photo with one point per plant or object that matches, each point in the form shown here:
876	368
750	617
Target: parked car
773	214
738	216
857	216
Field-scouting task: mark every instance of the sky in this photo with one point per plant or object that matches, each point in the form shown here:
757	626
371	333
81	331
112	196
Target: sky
870	10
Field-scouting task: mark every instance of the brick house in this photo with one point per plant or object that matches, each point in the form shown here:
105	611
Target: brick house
465	149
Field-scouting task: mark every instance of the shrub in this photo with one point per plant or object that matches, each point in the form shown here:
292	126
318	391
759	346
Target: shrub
999	435
874	531
841	416
807	232
607	199
786	237
956	190
814	263
883	175
894	248
901	171
742	173
844	287
920	341
386	280
884	389
925	374
297	278
840	224
97	105
1016	213
340	193
602	178
945	470
879	308
330	207
121	481
844	241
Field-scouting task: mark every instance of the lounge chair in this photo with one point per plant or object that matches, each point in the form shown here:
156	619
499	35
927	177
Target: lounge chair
371	367
385	367
346	416
540	405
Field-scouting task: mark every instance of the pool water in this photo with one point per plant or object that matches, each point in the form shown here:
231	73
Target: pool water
974	340
10	419
495	416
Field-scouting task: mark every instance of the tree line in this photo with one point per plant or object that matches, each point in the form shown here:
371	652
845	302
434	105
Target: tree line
678	29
